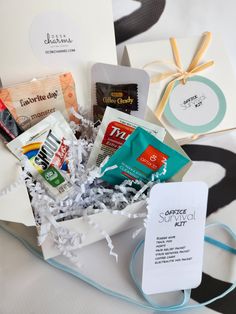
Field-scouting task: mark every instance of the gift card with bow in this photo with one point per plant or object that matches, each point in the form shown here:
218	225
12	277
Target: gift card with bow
192	83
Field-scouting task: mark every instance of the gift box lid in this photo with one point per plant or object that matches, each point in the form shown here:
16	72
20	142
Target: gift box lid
219	76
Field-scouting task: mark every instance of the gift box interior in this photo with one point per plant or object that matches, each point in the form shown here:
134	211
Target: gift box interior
17	205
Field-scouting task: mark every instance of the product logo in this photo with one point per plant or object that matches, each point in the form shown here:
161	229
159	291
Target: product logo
52	151
47	151
118	100
117	94
179	217
37	98
152	158
116	134
55	39
193	102
53	177
58	43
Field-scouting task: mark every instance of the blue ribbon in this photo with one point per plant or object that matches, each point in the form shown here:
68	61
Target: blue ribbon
149	304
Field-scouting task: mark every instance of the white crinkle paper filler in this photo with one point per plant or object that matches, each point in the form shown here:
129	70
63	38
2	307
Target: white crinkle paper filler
90	195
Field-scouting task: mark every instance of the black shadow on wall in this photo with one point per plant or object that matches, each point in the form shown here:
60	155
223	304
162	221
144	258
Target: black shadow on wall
220	195
140	20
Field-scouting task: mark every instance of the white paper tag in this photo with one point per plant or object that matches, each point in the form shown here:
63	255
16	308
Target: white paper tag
54	38
173	250
197	106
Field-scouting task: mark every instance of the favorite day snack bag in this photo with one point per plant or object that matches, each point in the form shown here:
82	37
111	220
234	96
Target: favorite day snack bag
30	102
116	127
143	157
45	148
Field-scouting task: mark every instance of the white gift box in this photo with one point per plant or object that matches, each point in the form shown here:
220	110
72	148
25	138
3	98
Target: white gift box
57	36
16	205
138	55
50	36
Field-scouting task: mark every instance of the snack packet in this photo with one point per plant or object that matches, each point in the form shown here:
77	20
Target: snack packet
117	96
33	101
9	129
123	97
44	146
115	129
119	87
143	157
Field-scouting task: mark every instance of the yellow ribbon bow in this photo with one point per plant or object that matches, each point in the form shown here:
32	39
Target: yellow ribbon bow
180	74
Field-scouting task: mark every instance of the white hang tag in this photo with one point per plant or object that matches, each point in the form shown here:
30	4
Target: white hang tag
173	250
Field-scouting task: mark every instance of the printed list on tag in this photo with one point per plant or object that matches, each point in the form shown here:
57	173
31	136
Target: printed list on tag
173	250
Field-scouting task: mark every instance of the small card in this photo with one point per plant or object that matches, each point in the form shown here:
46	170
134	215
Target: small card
173	250
197	106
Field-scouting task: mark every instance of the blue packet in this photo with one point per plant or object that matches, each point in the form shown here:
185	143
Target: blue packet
143	157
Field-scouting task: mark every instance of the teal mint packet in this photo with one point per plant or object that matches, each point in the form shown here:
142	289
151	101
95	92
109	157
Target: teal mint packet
143	157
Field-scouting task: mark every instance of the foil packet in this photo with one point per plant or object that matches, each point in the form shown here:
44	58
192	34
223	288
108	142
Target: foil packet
144	158
44	146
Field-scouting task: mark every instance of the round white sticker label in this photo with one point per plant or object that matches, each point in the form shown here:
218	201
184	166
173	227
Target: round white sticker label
197	106
54	38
